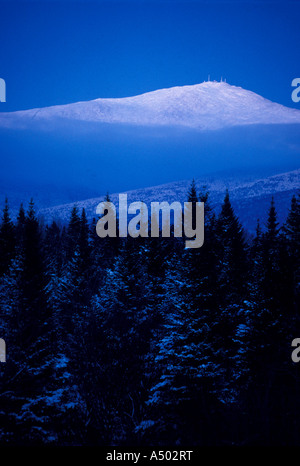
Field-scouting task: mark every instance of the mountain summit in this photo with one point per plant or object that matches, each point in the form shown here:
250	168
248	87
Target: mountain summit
205	106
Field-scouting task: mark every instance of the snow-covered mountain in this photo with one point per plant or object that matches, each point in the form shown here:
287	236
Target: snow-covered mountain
82	150
250	198
205	106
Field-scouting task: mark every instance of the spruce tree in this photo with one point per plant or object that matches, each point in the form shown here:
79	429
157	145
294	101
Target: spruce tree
231	251
271	243
84	246
122	320
7	240
73	232
193	198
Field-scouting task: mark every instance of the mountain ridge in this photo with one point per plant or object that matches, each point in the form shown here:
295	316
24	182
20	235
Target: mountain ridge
256	193
207	106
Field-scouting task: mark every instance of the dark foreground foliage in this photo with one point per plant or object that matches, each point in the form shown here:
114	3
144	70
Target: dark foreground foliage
143	342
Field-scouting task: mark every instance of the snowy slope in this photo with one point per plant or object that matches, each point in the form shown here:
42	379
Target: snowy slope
210	105
251	199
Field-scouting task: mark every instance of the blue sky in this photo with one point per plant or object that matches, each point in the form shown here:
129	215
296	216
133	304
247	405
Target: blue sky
55	52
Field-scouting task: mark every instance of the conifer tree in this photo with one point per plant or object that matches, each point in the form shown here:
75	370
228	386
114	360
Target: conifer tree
33	276
84	246
193	198
290	261
73	232
291	233
7	239
271	243
231	251
53	248
124	314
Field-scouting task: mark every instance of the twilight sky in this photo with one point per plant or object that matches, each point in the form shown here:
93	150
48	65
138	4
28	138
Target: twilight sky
56	52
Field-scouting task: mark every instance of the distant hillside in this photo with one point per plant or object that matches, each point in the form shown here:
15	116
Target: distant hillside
250	199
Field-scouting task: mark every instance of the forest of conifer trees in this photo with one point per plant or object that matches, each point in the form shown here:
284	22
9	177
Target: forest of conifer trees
143	342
